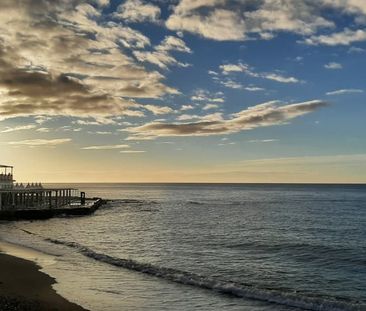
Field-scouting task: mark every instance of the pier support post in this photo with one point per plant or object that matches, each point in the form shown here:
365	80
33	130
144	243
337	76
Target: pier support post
13	200
82	198
50	199
63	197
56	199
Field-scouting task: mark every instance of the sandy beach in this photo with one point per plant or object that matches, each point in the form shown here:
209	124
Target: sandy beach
24	287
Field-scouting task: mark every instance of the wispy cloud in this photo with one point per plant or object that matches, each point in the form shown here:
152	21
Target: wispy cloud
345	91
217	116
204	95
355	49
103	133
18	128
227	69
105	147
267	114
254	89
40	142
158	110
231	84
280	78
346	37
210	106
161	55
186	107
132	151
262	140
43	129
137	11
333	66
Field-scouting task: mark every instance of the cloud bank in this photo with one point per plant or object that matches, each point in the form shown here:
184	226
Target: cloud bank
62	58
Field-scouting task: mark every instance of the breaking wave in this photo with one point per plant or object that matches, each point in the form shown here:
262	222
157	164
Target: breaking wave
235	289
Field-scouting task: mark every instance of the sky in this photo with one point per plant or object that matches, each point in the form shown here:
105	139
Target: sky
183	90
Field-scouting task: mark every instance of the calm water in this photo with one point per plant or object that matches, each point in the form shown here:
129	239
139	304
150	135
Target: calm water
209	247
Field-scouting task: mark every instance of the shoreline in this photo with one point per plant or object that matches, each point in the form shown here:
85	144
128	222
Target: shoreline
24	287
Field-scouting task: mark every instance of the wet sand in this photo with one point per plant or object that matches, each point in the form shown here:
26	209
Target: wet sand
24	287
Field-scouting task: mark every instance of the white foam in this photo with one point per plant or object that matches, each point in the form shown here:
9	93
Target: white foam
221	286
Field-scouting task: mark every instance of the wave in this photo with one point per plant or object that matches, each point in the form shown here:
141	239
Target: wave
235	289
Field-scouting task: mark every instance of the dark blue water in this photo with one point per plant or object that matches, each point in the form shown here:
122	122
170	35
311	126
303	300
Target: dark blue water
212	247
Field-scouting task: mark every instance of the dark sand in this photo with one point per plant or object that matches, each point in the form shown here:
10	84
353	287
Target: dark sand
24	287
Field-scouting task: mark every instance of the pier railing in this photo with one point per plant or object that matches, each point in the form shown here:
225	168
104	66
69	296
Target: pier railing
39	198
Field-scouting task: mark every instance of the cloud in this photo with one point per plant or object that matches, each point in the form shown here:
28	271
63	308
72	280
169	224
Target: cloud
231	84
254	89
43	130
354	49
62	58
161	56
241	20
226	69
18	128
333	65
204	95
158	110
105	147
262	140
345	91
185	117
171	43
40	142
348	6
160	59
101	133
217	116
132	151
42	119
218	24
227	144
186	107
267	114
210	106
280	78
137	11
346	37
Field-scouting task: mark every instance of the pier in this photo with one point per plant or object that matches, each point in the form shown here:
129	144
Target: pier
33	201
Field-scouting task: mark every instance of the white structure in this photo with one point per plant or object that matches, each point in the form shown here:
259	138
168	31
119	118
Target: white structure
33	195
6	177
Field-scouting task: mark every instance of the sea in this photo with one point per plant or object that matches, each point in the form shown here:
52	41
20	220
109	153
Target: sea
206	247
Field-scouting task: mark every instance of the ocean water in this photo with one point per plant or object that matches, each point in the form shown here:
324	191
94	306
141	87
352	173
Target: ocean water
208	247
